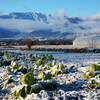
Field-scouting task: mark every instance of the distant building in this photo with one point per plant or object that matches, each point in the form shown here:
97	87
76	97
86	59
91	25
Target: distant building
3	43
14	43
87	42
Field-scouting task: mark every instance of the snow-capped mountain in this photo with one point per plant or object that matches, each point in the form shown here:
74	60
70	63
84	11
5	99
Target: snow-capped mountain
46	26
25	16
35	16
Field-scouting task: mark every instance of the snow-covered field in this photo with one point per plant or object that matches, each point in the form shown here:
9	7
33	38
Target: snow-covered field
75	58
70	86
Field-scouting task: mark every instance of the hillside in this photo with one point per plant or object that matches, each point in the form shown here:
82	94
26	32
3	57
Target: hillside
45	26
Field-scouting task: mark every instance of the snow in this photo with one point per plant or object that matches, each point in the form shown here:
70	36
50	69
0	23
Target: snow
69	84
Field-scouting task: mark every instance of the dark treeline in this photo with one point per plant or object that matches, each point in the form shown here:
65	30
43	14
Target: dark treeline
53	42
37	42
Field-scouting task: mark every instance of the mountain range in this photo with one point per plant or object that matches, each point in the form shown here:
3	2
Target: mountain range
46	26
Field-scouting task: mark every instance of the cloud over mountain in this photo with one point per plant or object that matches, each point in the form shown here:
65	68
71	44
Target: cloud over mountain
92	22
60	13
22	25
56	22
92	17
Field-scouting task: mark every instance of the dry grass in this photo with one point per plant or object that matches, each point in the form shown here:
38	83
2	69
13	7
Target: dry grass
7	46
46	47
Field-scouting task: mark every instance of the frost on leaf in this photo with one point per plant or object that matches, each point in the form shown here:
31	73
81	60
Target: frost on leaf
28	79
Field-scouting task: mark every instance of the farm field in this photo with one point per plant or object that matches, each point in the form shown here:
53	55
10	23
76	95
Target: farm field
41	46
50	50
32	75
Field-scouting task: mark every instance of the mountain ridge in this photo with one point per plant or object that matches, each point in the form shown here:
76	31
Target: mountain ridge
39	25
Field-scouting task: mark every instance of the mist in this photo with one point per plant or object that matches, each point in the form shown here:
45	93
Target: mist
55	23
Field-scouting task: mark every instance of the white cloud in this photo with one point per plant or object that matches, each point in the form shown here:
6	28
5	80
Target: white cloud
23	25
95	17
29	25
59	13
91	27
89	22
2	13
92	17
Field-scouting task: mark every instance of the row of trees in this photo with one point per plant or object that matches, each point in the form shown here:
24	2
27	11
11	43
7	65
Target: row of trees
30	42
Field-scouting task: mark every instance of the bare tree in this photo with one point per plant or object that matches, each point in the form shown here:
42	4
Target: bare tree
28	43
57	43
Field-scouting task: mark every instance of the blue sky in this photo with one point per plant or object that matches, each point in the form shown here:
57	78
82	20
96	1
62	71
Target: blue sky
71	7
